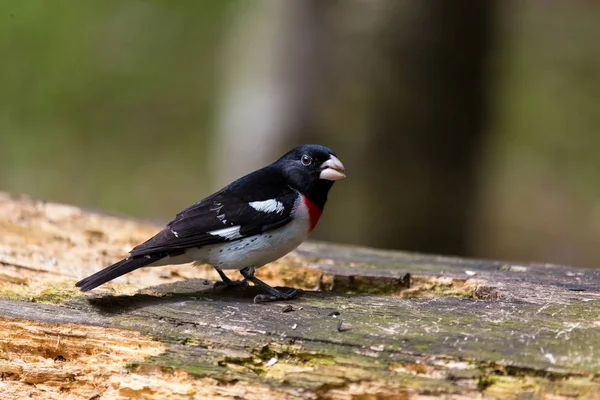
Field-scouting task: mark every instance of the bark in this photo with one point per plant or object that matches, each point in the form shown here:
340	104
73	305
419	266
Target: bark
387	324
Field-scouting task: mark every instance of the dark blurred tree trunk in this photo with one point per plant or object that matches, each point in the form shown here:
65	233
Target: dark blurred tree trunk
397	89
427	126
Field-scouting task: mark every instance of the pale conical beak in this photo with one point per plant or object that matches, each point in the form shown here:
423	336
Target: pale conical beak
332	169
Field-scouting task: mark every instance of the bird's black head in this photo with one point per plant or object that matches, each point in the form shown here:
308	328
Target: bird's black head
312	170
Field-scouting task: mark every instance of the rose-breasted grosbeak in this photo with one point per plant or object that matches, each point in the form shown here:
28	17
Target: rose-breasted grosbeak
247	224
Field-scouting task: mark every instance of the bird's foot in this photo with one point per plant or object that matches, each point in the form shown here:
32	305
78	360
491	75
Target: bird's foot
276	295
228	282
231	284
273	294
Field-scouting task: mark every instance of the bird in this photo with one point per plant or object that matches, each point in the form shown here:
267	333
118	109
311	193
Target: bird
253	221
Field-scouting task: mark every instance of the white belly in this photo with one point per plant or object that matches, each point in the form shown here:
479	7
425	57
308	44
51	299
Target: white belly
253	251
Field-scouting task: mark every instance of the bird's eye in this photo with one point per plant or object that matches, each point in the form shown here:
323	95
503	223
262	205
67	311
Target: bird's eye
306	160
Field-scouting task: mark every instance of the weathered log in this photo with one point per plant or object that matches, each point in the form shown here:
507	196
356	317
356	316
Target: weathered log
383	325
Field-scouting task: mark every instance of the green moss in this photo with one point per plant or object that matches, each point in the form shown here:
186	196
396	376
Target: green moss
191	342
245	368
14	296
293	355
57	295
407	286
266	353
131	366
454	291
486	381
356	284
199	367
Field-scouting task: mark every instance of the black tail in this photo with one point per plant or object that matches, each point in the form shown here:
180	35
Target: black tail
116	270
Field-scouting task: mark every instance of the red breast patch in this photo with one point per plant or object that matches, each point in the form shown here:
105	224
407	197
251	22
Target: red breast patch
314	213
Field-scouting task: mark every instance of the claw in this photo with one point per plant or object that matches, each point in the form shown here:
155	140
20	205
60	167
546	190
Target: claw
273	294
263	298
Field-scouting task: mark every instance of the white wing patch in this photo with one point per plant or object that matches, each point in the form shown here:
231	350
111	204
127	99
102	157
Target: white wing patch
268	206
233	232
217	210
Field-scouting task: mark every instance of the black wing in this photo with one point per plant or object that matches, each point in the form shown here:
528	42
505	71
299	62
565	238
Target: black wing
228	208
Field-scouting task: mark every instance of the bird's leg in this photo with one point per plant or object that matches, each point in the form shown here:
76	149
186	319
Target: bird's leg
273	294
228	282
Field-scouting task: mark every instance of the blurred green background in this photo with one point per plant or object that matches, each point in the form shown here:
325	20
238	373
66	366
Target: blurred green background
143	107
